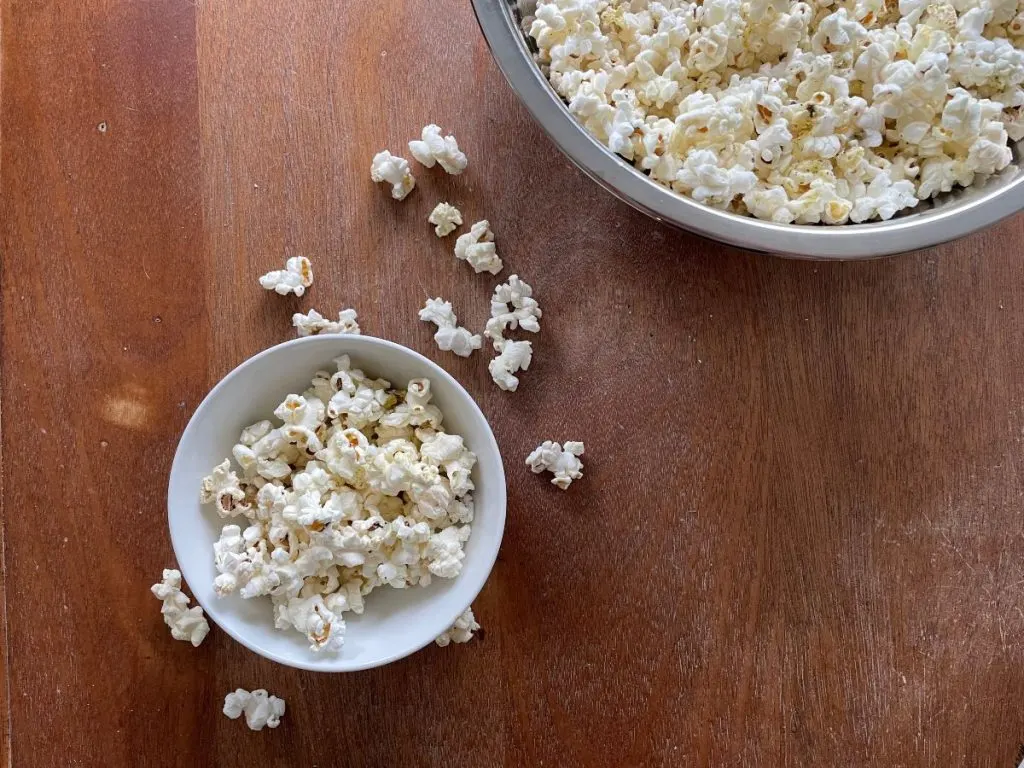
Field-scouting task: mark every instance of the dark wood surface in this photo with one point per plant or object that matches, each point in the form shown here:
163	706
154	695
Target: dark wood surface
798	541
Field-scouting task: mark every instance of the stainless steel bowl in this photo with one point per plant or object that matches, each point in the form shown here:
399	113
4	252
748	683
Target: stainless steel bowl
947	217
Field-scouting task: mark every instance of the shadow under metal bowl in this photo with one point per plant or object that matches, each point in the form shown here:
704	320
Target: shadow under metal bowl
945	218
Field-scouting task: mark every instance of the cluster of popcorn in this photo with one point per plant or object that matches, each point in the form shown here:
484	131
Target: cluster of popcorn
512	306
791	111
450	336
358	488
261	710
429	150
186	623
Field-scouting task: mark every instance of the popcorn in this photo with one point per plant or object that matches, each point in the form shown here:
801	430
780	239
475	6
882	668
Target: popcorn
358	488
449	336
477	248
446	218
296	277
185	623
789	111
314	323
386	168
562	461
433	148
513	356
461	631
260	709
525	313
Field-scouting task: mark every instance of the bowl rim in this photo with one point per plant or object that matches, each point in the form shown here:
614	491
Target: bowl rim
435	371
846	242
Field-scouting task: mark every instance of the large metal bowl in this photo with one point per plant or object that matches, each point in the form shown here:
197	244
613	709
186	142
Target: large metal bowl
947	217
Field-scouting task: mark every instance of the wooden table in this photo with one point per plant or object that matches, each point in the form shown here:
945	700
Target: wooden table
798	542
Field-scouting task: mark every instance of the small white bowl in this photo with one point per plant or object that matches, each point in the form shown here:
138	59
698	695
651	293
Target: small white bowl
396	622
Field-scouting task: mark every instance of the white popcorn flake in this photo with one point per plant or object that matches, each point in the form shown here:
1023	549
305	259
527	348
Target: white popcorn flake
185	623
445	219
790	111
477	248
513	356
313	323
296	277
443	150
358	487
386	168
260	708
461	631
561	460
450	337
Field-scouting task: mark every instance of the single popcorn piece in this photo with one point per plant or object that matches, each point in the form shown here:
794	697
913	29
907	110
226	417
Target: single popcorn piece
513	306
186	623
449	336
314	323
296	277
477	248
355	486
386	168
562	461
260	708
446	218
461	631
513	356
433	148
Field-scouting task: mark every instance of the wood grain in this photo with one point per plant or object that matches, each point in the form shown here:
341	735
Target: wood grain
798	542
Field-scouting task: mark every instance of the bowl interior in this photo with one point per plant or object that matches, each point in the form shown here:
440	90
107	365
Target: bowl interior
934	221
396	622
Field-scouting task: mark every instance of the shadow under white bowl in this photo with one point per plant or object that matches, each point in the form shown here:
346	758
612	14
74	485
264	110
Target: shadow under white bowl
396	622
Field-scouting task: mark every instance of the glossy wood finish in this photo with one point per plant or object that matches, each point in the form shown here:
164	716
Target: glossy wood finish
798	542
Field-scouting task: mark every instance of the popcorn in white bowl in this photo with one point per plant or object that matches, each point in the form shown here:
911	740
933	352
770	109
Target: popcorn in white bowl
349	489
296	277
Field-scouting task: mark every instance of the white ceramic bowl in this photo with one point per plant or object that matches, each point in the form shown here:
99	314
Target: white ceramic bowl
396	622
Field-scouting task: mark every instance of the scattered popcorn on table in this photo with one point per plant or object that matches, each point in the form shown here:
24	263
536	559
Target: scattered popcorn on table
461	631
386	168
296	277
260	709
446	218
562	461
358	488
185	623
449	337
793	111
477	247
433	148
314	323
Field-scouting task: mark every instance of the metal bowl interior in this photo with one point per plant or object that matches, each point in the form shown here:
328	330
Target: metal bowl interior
945	218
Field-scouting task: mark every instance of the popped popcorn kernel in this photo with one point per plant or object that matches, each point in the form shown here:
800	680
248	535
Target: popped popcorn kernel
462	631
388	169
185	623
477	248
450	337
313	323
296	277
261	710
560	460
432	148
445	219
